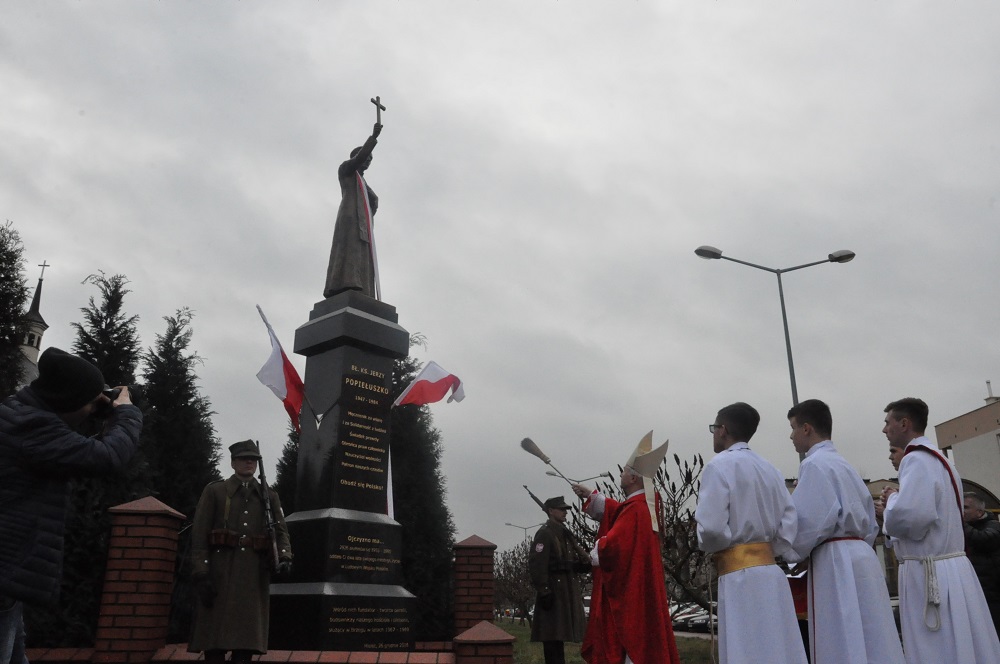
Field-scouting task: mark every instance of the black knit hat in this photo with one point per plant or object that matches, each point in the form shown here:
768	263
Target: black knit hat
66	382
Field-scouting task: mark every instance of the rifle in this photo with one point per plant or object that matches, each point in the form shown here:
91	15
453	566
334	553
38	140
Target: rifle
582	550
269	516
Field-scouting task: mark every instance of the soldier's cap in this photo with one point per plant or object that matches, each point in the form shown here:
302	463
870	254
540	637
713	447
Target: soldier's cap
66	382
244	448
556	503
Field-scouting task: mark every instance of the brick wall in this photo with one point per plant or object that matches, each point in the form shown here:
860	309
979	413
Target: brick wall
473	582
135	602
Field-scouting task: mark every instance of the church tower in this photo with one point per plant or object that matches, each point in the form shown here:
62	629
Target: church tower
32	344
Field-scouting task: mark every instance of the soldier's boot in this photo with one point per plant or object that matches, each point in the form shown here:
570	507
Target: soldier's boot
242	656
215	657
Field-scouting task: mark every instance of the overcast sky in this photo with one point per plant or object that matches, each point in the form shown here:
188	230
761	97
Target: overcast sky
546	170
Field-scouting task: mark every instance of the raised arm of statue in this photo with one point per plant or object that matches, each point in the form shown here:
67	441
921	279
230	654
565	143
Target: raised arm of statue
361	157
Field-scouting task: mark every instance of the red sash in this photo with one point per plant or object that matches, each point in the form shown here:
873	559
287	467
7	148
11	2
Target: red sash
944	462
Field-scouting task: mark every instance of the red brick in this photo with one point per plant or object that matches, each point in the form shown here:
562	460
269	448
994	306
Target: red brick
333	657
102	656
472	659
505	650
127	543
363	658
160	544
165	522
137	645
393	657
144	530
141	598
303	656
275	656
135	621
152	610
122	564
124	519
148	554
117	610
423	658
158	565
145	575
59	654
119	587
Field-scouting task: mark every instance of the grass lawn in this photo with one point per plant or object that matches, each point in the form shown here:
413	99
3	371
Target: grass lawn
692	650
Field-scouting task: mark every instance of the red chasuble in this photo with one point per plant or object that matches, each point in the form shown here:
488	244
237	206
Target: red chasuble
628	608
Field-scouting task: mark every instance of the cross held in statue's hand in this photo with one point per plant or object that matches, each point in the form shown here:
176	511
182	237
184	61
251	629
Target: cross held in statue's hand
378	109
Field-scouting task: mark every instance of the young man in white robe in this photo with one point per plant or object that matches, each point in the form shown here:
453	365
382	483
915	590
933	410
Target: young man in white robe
850	618
942	609
746	518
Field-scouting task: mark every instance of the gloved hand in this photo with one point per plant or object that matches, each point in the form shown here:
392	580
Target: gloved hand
284	568
547	600
205	590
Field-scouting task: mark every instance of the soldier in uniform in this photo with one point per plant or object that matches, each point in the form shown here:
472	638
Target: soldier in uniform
553	564
231	561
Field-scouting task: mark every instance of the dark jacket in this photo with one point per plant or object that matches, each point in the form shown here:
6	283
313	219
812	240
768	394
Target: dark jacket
39	454
982	539
553	564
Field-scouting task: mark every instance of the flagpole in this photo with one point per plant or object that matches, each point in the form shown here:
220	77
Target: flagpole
272	335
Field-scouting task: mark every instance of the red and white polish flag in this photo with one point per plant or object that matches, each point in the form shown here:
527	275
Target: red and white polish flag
280	376
431	385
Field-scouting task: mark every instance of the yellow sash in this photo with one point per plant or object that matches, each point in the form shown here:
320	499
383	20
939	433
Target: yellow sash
742	556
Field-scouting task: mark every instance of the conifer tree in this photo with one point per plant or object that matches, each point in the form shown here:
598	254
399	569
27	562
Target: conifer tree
179	445
108	337
179	448
13	299
421	510
285	471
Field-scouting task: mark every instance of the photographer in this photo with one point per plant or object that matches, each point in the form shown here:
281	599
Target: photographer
40	452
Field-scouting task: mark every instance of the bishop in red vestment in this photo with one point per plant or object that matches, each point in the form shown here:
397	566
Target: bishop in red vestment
629	614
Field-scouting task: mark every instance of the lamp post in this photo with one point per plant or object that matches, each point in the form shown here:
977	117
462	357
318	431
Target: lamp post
842	256
524	528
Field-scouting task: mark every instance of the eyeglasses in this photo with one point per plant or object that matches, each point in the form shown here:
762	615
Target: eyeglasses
712	428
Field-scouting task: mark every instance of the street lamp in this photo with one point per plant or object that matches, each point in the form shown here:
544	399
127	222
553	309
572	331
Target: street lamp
524	528
842	256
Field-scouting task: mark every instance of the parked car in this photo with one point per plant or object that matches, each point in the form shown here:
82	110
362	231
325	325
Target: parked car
691	617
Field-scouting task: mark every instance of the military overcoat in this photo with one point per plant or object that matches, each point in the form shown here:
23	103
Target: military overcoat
554	564
238	618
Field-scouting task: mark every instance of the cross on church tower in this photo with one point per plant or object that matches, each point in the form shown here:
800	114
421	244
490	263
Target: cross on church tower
43	265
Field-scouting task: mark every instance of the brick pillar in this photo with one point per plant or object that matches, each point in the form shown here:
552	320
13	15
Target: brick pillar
484	643
473	575
135	602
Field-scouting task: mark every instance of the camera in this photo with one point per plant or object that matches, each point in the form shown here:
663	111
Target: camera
106	409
